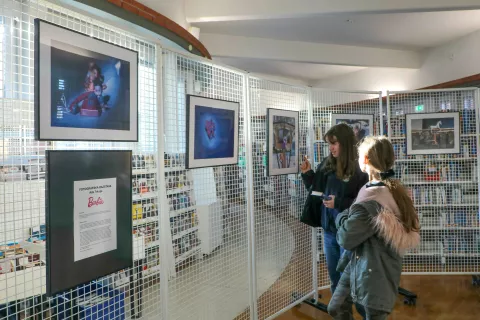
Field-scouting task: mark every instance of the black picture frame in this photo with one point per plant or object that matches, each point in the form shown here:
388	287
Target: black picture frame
64	168
271	171
193	101
124	130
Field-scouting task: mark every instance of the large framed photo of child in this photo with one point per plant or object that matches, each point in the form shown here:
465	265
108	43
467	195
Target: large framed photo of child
433	133
85	88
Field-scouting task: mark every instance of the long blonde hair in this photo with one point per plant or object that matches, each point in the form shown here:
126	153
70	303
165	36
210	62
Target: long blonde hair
381	158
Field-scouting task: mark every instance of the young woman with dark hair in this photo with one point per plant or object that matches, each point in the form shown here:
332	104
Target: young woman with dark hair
339	178
378	228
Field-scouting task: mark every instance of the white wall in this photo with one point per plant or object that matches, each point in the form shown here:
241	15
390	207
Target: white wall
454	60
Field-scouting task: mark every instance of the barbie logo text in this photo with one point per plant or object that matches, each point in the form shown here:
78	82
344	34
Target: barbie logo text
92	202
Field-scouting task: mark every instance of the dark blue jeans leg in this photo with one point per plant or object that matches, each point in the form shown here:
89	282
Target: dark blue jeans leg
332	254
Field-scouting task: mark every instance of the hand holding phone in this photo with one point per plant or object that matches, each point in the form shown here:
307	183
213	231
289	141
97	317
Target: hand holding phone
329	202
305	166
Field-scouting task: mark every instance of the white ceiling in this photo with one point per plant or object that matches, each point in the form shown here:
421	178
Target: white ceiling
173	9
302	71
404	31
306	72
321	40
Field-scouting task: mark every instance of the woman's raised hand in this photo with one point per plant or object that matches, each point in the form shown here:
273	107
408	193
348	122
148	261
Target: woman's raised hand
305	166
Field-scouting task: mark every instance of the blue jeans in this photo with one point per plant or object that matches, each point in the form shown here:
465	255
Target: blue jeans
333	252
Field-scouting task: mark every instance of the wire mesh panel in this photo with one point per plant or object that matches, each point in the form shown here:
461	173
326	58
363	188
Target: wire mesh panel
435	136
332	107
283	245
207	206
128	293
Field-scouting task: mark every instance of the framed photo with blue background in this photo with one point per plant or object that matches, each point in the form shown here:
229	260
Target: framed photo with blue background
212	132
85	88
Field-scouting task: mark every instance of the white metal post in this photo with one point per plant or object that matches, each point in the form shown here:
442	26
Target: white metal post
311	153
389	116
477	128
164	227
250	202
380	106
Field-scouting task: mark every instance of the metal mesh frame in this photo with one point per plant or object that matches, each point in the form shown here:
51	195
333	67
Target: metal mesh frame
278	203
210	270
324	104
444	187
22	195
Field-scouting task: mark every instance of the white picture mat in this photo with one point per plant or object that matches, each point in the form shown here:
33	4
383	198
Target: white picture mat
50	33
412	116
281	113
211	103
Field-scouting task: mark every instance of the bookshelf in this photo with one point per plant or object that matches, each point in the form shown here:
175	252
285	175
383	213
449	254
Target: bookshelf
444	187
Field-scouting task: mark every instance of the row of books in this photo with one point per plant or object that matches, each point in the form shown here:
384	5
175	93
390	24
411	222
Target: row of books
439	195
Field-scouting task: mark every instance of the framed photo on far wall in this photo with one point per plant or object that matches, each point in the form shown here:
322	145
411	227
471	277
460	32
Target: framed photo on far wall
85	88
282	142
433	133
212	132
362	124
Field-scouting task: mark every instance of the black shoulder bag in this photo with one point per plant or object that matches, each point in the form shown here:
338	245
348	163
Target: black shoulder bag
308	214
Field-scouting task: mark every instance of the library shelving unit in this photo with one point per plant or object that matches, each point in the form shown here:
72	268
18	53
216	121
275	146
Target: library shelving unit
195	202
180	199
145	212
444	187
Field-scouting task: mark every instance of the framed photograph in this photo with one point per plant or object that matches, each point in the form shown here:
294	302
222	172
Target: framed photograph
88	216
282	142
433	133
362	124
212	132
85	88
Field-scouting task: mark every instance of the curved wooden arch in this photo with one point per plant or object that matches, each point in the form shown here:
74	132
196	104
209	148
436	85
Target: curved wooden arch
150	19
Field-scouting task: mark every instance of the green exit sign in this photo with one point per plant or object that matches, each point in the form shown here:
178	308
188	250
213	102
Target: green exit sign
419	108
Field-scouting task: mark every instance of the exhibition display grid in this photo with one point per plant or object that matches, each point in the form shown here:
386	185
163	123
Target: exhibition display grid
221	242
129	293
444	187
